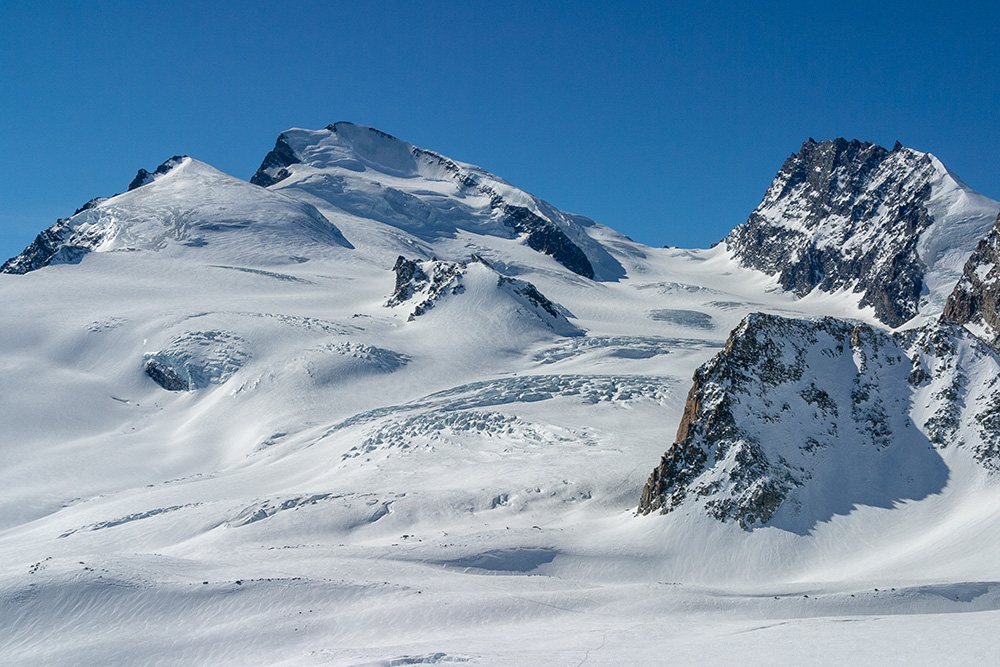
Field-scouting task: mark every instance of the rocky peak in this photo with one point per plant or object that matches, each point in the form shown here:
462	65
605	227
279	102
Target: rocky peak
798	420
851	214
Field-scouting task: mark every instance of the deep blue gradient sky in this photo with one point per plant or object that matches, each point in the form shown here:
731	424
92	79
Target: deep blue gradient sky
665	121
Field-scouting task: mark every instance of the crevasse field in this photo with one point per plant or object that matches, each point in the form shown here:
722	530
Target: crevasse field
344	484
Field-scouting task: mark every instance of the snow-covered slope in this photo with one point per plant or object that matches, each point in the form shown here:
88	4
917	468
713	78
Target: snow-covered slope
224	440
893	227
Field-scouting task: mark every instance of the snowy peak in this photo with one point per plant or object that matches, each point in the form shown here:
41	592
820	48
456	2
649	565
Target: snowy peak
420	286
975	301
338	146
185	203
799	420
894	227
372	175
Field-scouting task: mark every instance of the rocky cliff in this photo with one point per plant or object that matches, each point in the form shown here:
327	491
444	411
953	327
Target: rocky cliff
891	226
798	420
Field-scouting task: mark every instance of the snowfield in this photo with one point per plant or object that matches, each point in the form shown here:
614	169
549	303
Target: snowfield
226	442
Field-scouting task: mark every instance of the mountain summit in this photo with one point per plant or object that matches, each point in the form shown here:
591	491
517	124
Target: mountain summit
366	173
892	226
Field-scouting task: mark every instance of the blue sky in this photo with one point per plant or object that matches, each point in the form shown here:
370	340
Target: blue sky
663	120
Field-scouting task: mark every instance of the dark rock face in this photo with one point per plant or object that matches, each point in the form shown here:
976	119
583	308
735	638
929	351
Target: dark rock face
798	420
165	376
49	247
841	214
412	280
545	237
274	168
531	293
975	301
143	177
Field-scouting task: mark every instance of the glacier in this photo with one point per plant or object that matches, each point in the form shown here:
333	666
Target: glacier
332	482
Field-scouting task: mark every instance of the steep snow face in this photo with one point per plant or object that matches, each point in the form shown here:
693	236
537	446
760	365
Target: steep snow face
187	204
796	421
975	301
367	174
895	227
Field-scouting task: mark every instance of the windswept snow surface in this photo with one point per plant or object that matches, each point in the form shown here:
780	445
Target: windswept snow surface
338	485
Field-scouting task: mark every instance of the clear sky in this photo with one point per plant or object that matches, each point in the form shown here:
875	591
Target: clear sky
665	121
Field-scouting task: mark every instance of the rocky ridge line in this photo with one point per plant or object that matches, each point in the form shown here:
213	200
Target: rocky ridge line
844	215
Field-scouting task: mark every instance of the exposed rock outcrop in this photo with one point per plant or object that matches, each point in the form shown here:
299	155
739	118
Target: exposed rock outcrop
274	168
853	215
144	177
423	284
975	302
798	420
51	246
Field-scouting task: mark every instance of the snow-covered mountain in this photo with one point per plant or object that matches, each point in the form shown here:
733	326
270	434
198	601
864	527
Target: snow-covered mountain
296	421
369	174
894	227
183	204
